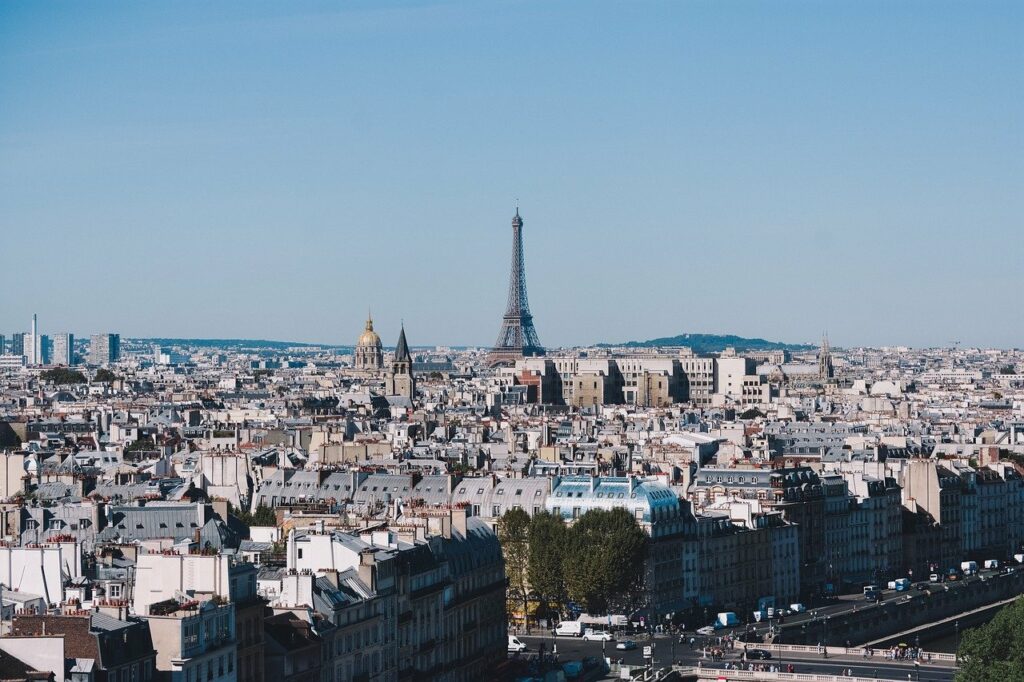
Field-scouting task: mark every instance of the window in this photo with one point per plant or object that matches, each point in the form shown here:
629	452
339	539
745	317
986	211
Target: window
114	590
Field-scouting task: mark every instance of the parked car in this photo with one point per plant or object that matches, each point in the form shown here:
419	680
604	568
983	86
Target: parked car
597	636
626	645
758	655
707	630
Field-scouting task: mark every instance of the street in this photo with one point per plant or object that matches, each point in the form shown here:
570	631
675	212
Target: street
574	648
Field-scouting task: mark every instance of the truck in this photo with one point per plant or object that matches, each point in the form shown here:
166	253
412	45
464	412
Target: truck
991	563
569	628
969	567
726	619
872	593
765	609
901	584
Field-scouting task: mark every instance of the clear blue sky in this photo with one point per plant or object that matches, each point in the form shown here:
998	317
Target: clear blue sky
272	169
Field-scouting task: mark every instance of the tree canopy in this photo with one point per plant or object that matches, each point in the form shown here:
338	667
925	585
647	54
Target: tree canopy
597	562
263	516
544	566
995	651
104	376
604	558
62	375
514	535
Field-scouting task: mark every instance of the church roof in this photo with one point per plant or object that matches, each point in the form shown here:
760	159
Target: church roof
402	349
369	337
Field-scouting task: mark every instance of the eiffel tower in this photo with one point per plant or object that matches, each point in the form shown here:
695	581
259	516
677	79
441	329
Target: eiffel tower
518	337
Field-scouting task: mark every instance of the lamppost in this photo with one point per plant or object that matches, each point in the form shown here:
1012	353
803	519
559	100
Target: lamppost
956	628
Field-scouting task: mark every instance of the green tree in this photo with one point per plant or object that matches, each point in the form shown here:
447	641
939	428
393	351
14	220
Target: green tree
62	375
604	558
994	652
547	536
104	376
514	535
263	516
144	443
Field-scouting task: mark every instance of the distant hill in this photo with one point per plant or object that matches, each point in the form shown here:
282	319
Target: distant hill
233	343
712	343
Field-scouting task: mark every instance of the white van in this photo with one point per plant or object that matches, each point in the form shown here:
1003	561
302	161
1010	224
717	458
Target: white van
569	628
515	645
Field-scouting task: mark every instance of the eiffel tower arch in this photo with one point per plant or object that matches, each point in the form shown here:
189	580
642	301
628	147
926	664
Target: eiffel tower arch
518	336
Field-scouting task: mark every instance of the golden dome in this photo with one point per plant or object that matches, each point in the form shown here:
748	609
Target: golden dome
369	337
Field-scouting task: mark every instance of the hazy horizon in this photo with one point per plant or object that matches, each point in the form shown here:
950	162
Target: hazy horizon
772	170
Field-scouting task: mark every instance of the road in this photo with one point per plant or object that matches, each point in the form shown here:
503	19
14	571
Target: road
572	648
850	603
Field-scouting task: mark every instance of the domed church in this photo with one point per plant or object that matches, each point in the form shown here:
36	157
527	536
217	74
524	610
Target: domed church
369	351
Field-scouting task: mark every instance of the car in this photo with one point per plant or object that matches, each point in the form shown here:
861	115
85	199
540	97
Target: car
597	636
921	587
783	612
626	645
758	655
707	630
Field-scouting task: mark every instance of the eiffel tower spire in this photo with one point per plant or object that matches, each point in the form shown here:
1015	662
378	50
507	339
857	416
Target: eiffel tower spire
518	337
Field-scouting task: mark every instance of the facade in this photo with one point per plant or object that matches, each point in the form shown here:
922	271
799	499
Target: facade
104	349
17	345
119	649
644	381
293	649
437	590
63	349
160	577
194	640
932	491
797	492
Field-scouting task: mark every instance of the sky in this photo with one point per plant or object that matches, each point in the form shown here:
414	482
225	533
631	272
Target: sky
274	170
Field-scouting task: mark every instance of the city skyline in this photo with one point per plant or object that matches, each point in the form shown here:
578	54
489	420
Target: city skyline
767	171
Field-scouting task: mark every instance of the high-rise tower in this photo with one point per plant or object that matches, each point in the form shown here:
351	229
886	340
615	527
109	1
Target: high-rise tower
518	337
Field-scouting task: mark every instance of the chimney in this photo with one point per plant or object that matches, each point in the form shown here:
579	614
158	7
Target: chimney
367	568
446	527
220	507
460	520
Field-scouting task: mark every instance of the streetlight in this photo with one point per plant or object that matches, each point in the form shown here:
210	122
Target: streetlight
956	627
